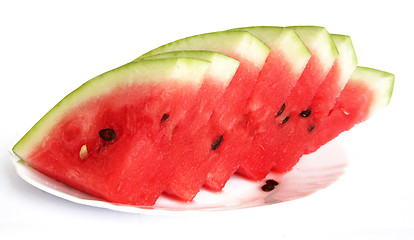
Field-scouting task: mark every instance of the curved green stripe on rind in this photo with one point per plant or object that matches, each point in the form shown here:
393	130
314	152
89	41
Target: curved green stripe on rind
186	70
380	82
319	42
285	40
242	44
222	68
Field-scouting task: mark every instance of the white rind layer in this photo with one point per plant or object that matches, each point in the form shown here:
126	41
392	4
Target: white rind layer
285	41
379	82
347	59
319	42
221	70
236	44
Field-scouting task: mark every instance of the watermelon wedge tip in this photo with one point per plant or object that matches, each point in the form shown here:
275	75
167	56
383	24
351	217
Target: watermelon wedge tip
88	140
367	91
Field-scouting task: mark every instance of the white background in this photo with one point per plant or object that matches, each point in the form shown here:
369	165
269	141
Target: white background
48	48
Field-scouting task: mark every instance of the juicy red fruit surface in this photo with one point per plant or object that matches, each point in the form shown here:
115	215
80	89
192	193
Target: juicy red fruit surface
126	169
272	87
227	112
272	143
351	107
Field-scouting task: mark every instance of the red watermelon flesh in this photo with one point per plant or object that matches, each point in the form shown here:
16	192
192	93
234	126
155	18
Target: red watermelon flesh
191	151
217	78
196	161
324	53
293	139
254	160
187	182
240	45
145	104
269	144
367	91
330	89
102	138
283	67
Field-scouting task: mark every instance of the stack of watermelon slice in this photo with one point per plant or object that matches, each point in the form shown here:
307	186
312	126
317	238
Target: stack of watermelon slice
192	113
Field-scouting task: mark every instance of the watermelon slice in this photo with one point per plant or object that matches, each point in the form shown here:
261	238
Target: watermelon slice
293	139
216	80
336	80
101	137
282	69
252	54
324	54
368	91
161	123
256	160
242	46
194	154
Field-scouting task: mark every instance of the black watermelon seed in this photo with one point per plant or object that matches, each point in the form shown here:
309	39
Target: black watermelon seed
217	143
281	110
268	187
311	127
273	182
164	117
285	120
107	134
306	113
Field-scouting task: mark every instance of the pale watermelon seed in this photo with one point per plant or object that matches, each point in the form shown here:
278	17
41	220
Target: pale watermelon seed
83	151
345	112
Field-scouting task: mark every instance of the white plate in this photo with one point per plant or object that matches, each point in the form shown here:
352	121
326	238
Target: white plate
314	172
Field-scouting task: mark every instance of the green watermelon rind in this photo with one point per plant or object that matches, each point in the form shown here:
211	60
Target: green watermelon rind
230	43
222	68
191	66
182	70
285	40
381	83
319	42
267	34
347	57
